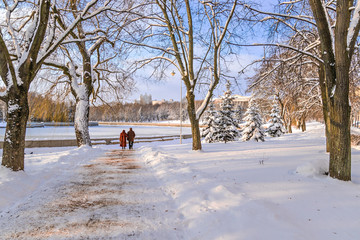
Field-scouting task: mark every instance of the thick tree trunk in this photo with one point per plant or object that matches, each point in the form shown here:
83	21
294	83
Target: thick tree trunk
340	150
336	55
82	122
195	129
14	142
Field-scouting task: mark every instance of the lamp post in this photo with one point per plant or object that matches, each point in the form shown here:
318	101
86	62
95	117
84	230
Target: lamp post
173	74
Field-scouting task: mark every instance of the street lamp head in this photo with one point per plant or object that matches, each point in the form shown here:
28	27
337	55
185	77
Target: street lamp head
172	73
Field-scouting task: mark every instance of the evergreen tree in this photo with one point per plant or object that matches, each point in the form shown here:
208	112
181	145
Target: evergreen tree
226	128
276	125
253	129
210	119
239	112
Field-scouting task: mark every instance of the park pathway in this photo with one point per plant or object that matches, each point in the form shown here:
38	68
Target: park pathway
113	197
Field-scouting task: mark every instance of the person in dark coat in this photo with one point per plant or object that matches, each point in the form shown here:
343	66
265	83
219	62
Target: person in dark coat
122	139
131	137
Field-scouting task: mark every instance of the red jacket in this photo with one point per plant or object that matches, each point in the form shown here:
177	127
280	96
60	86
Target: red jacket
122	139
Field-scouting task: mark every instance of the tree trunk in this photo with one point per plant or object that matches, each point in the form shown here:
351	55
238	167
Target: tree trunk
336	55
14	142
325	106
195	129
340	150
289	125
82	122
298	123
303	124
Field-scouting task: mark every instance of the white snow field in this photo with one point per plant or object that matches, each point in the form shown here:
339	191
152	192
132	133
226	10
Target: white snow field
270	190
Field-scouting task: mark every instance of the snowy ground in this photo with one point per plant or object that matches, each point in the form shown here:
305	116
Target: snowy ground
241	190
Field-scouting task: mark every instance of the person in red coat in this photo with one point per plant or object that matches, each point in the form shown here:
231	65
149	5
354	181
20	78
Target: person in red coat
123	137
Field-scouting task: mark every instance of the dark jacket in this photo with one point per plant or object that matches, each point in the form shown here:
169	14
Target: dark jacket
131	135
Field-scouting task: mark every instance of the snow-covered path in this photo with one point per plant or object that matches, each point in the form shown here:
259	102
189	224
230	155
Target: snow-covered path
113	197
163	190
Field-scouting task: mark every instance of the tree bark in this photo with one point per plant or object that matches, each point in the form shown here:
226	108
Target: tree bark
83	106
303	124
340	151
289	125
195	128
336	56
82	122
14	142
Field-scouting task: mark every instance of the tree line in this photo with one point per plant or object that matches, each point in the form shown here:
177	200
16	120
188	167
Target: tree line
136	112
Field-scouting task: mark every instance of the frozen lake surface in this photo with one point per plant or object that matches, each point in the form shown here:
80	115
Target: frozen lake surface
98	132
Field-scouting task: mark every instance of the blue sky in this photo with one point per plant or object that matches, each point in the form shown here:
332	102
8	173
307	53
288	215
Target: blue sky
169	88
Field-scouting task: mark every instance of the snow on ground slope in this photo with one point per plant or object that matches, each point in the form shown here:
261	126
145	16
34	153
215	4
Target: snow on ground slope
42	166
112	197
250	190
240	190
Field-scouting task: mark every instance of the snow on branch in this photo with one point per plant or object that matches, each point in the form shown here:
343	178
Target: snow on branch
97	38
10	27
80	18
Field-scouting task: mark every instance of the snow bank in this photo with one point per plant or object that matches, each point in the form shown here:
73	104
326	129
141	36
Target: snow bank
315	168
248	190
42	166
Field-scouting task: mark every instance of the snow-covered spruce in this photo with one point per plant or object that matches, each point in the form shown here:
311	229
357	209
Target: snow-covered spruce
276	127
239	112
210	118
226	127
253	129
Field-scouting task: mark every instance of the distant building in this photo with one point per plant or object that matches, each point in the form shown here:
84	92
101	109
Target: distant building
144	99
158	102
162	101
243	101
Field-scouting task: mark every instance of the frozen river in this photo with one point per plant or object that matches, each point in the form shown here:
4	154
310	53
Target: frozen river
68	132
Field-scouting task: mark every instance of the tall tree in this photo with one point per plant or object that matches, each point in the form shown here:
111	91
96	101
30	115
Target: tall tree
337	49
226	124
94	41
29	39
337	24
174	36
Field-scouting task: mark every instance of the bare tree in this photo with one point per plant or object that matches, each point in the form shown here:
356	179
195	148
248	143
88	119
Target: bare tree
337	24
337	49
94	71
26	42
194	48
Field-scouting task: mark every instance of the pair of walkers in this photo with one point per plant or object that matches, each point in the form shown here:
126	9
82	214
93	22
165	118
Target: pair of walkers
130	136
